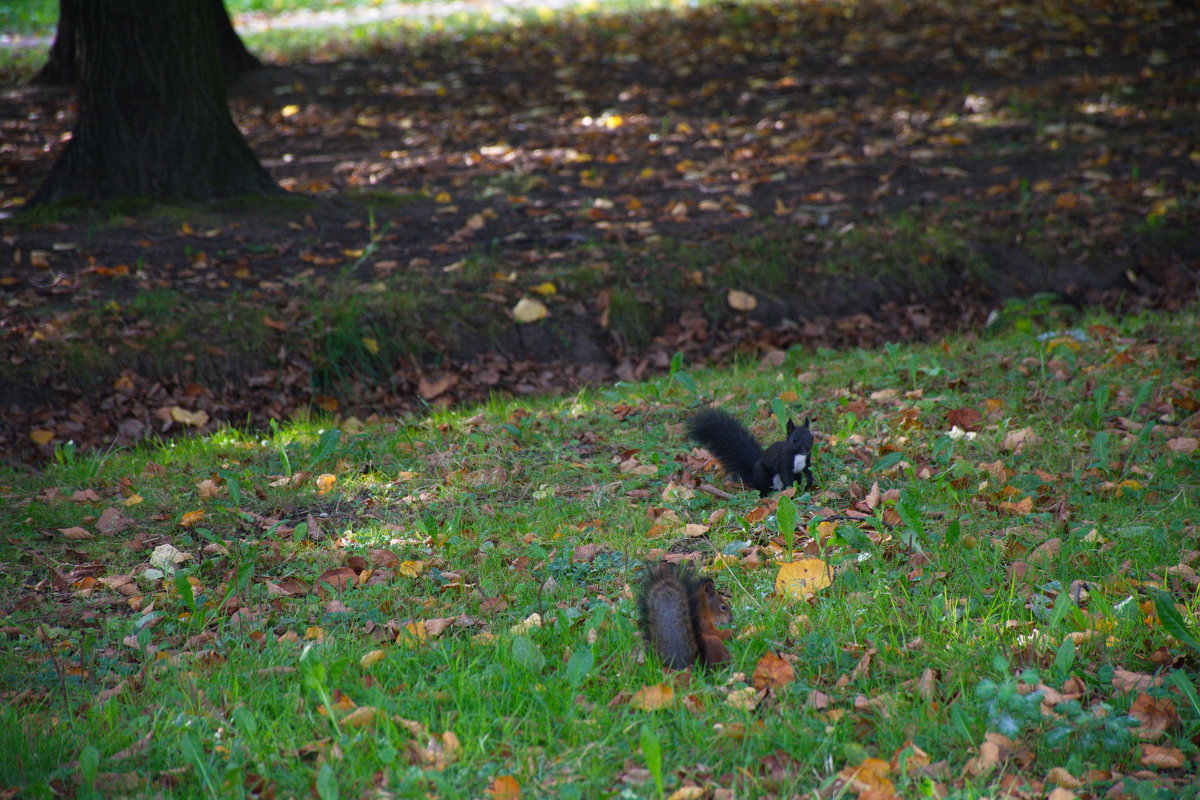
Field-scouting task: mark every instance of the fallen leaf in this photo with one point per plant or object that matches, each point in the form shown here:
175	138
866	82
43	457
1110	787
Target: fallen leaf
1018	440
743	699
966	418
195	419
361	717
1156	715
652	698
1163	757
741	301
772	671
802	579
167	557
325	483
504	787
529	309
76	534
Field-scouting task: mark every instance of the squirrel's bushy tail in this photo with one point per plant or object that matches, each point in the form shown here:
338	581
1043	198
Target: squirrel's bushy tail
726	438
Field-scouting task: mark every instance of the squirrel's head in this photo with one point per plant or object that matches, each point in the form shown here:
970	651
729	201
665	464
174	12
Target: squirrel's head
799	436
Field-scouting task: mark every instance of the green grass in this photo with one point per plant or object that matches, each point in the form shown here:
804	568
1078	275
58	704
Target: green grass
468	521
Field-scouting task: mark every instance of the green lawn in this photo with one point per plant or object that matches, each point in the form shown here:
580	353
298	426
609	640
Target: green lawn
442	606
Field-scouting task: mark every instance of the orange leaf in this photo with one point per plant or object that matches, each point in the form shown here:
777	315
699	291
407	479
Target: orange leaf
772	672
190	518
652	698
504	787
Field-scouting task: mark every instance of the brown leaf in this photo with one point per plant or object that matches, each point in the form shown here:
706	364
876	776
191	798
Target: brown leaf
966	418
1163	757
1156	715
1046	551
287	587
430	388
338	578
652	698
1126	681
1018	440
771	672
111	521
76	534
1183	444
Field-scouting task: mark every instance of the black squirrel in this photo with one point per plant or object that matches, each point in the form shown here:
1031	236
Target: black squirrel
773	469
678	612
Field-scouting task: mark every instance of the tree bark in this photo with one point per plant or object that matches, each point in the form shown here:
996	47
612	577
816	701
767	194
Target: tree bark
153	116
62	69
236	60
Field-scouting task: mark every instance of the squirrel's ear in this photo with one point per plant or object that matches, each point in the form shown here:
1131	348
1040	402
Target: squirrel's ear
791	426
806	422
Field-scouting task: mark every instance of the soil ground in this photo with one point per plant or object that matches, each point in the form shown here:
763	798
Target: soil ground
729	178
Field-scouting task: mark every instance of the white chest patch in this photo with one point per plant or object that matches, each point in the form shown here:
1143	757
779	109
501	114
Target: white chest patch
777	483
799	463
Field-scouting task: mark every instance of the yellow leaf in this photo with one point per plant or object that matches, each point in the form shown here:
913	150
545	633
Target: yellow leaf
412	632
801	579
290	110
372	345
325	482
528	310
41	436
442	198
371	658
546	289
190	518
741	301
870	774
314	633
743	699
132	500
410	569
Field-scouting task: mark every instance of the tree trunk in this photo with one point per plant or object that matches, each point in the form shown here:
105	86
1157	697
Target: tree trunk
62	69
236	60
153	116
